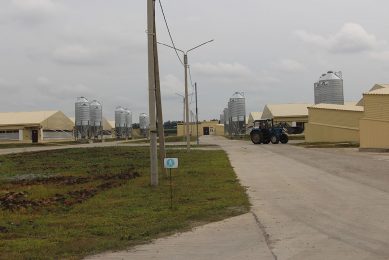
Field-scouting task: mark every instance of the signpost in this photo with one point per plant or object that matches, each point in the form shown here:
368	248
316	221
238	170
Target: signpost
171	163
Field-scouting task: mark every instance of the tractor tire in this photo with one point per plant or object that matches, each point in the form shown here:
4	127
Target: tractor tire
256	137
274	139
266	140
284	139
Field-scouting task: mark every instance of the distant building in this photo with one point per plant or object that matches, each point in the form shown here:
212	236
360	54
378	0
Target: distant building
295	115
35	126
329	89
205	128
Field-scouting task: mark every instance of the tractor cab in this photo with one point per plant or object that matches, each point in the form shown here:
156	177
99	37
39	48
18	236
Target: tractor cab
264	131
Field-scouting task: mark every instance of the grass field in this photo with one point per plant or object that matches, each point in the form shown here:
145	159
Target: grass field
168	139
76	202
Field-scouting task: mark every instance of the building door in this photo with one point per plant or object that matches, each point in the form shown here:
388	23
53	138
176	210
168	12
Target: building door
34	136
205	130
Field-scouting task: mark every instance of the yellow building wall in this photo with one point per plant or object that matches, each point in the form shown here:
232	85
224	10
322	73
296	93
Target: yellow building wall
328	125
217	128
315	133
374	134
375	123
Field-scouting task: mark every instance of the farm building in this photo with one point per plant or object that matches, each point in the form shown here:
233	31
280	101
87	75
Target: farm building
374	125
205	128
375	87
35	126
252	117
293	114
333	123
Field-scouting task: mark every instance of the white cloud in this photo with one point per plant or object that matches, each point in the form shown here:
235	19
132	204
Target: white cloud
61	91
380	56
351	38
77	54
34	11
170	85
288	65
222	69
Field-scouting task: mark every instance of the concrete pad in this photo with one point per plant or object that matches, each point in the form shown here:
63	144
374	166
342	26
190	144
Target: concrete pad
235	238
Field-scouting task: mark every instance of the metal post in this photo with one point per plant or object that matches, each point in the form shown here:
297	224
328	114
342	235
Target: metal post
186	104
152	112
197	116
171	189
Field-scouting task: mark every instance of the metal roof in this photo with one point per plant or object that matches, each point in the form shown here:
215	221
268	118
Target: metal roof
256	115
380	91
25	118
338	107
375	87
286	110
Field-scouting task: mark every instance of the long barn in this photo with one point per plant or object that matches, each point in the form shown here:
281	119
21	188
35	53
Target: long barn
35	126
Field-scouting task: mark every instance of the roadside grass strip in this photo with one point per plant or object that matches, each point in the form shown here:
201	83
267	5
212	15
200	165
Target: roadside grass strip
77	202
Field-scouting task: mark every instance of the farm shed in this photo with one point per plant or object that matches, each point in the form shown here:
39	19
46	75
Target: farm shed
374	125
333	123
293	114
35	126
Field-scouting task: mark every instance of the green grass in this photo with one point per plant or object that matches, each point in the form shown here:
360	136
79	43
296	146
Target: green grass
168	139
126	214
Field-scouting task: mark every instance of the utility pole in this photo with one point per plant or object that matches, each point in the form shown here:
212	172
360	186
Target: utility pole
161	133
186	104
186	87
151	33
197	116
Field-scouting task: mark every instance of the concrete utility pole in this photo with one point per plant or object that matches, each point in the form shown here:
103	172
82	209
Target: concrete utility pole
186	104
151	33
197	116
161	132
186	88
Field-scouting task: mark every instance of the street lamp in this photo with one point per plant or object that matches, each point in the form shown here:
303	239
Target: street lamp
185	53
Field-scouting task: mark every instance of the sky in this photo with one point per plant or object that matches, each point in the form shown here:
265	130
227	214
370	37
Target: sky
53	51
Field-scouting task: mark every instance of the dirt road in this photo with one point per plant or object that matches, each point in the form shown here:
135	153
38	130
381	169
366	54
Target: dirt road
316	203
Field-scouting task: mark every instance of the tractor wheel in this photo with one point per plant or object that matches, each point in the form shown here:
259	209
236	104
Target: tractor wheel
284	138
256	137
274	139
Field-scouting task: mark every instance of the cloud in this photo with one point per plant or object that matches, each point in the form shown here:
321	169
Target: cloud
380	55
77	54
288	65
34	11
9	86
170	85
61	91
222	69
235	74
351	38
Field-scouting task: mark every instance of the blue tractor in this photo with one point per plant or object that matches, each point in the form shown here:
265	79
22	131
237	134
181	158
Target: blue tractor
264	131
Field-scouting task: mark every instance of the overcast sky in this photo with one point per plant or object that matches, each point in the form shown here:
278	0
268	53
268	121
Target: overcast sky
52	51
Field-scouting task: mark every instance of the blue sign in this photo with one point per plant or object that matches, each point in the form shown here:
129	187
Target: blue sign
171	163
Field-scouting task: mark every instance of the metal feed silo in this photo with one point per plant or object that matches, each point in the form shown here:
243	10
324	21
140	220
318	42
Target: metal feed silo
128	123
144	124
226	121
82	118
237	110
329	88
96	118
120	122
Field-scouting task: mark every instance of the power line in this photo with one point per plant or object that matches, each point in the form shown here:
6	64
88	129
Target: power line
170	35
